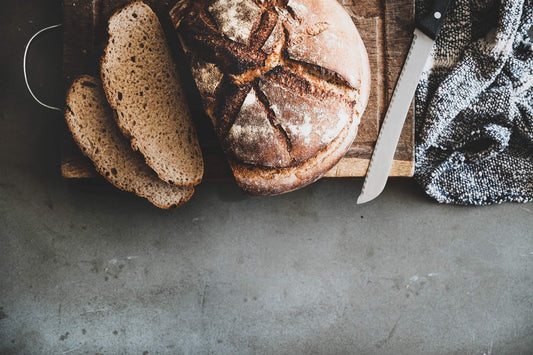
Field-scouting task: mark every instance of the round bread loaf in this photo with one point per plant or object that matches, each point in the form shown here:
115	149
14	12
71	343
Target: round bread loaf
284	82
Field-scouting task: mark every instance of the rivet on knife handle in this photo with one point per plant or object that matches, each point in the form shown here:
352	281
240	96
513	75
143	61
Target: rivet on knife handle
432	20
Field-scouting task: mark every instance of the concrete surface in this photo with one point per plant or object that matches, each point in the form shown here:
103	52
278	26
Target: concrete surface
85	269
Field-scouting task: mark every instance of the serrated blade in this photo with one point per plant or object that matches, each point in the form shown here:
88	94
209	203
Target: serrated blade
382	157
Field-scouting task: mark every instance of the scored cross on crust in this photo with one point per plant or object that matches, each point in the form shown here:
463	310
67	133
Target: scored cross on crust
281	80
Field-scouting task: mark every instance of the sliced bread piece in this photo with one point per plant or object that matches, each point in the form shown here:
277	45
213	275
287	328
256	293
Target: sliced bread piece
142	84
93	127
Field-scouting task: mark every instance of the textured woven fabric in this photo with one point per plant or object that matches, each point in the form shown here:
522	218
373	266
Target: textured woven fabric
474	105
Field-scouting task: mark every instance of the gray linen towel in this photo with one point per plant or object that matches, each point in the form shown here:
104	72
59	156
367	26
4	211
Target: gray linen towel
474	105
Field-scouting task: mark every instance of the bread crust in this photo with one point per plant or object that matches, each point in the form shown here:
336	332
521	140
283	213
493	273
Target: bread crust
307	65
258	181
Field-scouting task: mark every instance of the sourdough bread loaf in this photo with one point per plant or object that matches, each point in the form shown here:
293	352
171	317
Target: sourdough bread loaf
93	127
143	87
284	82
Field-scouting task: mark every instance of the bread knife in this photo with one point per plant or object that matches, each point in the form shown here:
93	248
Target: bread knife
426	30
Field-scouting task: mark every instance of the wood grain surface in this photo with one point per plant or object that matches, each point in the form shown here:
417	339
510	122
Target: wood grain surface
386	27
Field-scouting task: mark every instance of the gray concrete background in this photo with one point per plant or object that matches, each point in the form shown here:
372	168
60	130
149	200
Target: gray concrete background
85	269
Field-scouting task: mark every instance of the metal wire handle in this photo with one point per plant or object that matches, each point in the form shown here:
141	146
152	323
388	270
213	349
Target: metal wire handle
24	67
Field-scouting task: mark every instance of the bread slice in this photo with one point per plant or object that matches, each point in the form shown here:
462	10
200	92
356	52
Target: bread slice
142	84
91	122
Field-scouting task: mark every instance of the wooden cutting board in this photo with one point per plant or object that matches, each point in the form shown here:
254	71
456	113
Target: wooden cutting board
386	27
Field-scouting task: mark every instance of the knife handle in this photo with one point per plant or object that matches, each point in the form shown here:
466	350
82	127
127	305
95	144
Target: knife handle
430	22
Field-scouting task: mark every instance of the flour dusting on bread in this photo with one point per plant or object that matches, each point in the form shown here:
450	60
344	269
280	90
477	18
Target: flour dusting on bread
236	18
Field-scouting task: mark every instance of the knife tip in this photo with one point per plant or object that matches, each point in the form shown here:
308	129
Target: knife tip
363	198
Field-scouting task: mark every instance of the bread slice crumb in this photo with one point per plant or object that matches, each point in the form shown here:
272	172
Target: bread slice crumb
93	127
142	85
